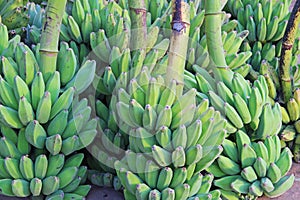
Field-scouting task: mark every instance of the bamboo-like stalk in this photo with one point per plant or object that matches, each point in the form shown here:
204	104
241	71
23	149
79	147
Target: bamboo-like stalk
286	53
138	15
213	23
178	43
50	36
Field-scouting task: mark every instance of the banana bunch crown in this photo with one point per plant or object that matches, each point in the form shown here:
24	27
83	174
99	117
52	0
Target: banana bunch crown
250	169
49	177
246	107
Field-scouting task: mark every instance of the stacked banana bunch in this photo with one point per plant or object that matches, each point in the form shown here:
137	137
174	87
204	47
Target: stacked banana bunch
171	137
270	20
52	177
266	22
48	118
121	60
13	13
246	107
247	170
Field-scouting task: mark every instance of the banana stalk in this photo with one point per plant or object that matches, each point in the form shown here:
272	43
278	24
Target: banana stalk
286	56
50	37
138	15
213	23
179	43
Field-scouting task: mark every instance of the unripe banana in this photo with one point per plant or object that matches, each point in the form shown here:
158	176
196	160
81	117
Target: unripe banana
21	89
260	167
36	186
228	166
12	167
178	157
168	194
25	111
142	191
285	161
41	166
267	184
55	164
20	188
26	168
6	188
256	189
161	156
249	174
281	186
35	134
44	108
240	186
151	173
9	149
50	185
63	102
164	178
10	117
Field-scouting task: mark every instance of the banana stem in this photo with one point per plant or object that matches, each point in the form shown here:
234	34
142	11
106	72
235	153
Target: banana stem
213	23
50	36
178	43
286	53
138	15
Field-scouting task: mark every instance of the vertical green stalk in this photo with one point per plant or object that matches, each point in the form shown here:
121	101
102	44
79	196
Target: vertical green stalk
286	53
50	36
138	15
178	43
213	23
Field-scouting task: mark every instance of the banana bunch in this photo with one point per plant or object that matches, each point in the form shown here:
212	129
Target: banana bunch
47	110
113	140
150	181
247	170
246	107
172	131
13	13
49	177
